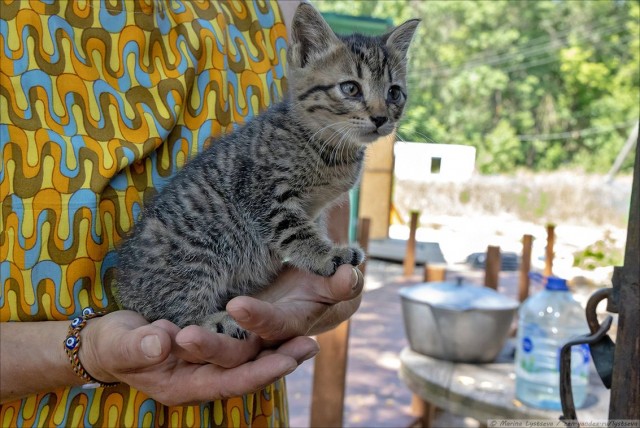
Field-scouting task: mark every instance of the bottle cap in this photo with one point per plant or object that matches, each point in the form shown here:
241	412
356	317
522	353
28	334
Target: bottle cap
557	284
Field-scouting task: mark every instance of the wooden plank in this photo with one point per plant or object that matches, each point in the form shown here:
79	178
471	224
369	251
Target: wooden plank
376	186
548	252
492	267
525	267
410	255
393	250
625	387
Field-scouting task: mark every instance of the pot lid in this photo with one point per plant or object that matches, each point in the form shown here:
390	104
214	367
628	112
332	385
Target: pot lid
458	296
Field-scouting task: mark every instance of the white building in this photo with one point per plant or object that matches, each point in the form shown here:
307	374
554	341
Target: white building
434	162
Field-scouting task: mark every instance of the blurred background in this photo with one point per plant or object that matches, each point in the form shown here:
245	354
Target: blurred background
522	116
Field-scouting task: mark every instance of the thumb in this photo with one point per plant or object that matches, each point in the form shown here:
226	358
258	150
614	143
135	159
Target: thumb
142	347
344	285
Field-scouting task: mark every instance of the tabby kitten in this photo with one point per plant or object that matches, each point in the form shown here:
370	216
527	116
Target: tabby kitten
224	224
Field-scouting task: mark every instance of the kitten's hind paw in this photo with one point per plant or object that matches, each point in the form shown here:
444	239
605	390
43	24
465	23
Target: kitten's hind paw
339	256
222	322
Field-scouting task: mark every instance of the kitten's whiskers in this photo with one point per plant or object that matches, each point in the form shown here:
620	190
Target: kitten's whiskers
426	137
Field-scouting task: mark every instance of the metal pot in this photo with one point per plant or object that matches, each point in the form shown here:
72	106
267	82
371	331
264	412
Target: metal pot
455	321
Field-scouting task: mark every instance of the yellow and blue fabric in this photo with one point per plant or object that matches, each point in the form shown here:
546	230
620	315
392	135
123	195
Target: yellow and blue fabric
101	101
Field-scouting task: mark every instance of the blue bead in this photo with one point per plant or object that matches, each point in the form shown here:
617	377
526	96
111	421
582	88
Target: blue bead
71	342
76	322
87	311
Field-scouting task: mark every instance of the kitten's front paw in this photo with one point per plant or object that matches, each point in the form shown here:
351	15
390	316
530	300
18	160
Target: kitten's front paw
339	256
222	322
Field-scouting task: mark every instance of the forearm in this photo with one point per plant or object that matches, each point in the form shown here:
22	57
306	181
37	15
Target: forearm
32	358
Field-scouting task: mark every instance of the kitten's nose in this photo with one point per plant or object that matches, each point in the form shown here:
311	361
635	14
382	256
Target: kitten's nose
378	120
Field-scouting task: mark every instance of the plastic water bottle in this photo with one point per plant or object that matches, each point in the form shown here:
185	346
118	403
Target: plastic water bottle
547	320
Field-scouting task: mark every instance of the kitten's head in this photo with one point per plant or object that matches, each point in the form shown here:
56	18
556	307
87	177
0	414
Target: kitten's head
347	89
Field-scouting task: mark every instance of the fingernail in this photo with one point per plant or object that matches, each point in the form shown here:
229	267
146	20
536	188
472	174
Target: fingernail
151	346
355	278
309	355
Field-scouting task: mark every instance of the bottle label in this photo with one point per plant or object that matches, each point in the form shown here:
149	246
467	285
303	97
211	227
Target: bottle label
541	354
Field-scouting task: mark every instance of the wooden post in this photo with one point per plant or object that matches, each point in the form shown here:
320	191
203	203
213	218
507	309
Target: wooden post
410	255
625	386
434	273
364	225
330	366
424	411
492	267
329	378
525	267
548	254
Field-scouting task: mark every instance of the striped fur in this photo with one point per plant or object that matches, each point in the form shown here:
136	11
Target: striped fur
223	225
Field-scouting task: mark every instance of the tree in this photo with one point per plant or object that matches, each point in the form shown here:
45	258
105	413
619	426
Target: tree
535	84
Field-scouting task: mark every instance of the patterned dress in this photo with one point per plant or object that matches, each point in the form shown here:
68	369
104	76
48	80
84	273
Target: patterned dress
101	101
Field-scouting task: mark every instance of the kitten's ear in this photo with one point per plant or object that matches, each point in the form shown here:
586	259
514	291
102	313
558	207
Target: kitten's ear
400	37
310	35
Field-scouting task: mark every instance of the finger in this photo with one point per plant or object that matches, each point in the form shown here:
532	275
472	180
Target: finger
300	348
140	348
269	366
209	381
178	350
334	315
198	345
345	284
255	375
262	318
167	326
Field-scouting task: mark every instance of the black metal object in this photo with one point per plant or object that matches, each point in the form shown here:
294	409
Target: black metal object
566	393
602	351
625	300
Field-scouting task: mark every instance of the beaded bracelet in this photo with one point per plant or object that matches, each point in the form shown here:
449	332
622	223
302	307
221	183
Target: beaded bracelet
72	347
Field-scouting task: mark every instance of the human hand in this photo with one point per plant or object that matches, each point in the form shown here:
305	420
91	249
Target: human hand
299	303
179	366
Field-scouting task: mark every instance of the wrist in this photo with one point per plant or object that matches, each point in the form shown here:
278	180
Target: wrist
91	355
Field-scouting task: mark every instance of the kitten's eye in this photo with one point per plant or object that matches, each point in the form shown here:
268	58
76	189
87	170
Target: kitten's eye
395	93
351	89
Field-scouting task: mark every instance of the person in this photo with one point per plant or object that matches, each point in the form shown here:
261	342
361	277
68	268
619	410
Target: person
101	103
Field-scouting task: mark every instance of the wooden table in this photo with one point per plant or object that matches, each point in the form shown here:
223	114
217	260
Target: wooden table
484	391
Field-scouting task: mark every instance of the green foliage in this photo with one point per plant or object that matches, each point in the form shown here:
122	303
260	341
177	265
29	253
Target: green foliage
536	84
465	196
601	253
542	206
